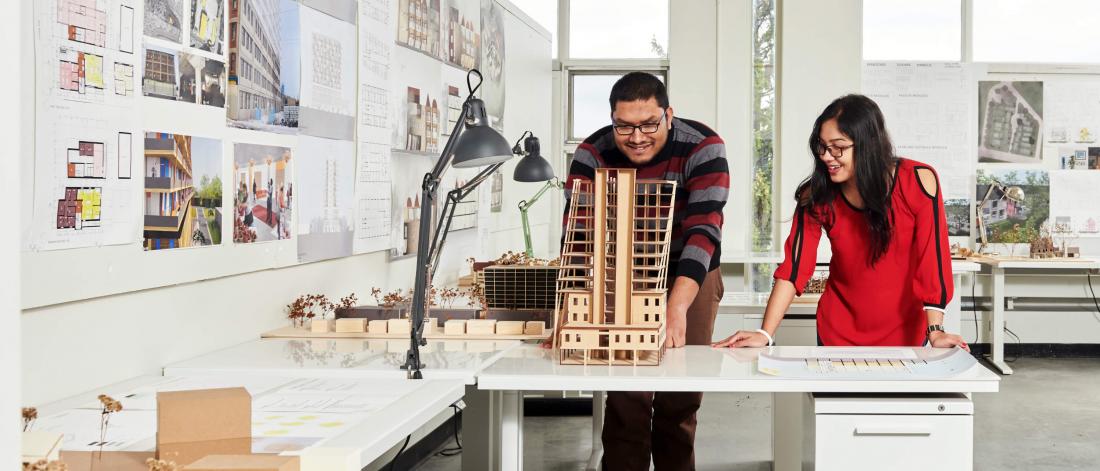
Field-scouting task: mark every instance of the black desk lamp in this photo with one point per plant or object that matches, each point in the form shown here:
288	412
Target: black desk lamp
472	144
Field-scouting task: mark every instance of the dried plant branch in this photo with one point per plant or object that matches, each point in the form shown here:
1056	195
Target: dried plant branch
30	414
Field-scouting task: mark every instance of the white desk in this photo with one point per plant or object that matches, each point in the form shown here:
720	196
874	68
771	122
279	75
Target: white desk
401	408
692	368
996	332
450	359
345	358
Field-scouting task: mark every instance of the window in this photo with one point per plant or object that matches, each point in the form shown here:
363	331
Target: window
907	30
639	29
763	138
1036	31
588	106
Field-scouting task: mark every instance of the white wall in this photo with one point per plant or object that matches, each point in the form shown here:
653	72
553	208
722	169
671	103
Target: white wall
78	346
14	33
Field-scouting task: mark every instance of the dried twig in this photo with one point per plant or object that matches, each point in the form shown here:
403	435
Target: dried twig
30	414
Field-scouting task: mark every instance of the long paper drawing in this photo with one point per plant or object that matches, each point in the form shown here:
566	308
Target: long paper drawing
377	19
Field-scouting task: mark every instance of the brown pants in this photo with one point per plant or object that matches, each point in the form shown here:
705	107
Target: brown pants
663	423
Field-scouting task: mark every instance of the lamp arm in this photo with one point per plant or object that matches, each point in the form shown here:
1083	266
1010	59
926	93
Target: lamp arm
994	184
525	205
447	215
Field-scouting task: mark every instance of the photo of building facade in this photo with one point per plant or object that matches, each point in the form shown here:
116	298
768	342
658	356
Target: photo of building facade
262	34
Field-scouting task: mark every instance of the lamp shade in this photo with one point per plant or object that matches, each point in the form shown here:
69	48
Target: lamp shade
533	167
479	145
1014	193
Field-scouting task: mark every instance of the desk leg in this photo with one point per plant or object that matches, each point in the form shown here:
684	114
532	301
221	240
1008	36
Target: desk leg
997	324
511	430
952	319
787	431
598	406
480	429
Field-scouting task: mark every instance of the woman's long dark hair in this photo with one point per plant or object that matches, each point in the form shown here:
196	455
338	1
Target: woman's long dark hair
859	118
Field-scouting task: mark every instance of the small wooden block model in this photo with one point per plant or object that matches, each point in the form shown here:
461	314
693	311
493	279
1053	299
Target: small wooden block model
510	327
379	326
481	327
398	326
349	325
320	325
454	327
628	223
431	326
534	328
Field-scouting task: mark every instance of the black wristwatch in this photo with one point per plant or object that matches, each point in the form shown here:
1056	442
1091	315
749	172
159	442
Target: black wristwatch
933	328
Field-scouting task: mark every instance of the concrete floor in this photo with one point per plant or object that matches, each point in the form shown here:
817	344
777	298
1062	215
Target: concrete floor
1046	417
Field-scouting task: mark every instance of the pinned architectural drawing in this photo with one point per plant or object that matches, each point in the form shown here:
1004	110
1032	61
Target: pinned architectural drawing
612	287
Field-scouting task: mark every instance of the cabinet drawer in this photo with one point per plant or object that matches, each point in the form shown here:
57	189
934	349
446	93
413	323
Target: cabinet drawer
896	442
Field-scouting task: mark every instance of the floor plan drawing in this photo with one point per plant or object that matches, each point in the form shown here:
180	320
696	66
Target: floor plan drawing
79	208
124	79
80	72
125	155
85	21
87	160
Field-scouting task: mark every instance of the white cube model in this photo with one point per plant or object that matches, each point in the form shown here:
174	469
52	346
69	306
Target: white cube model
481	327
454	327
399	326
510	327
905	432
347	325
377	326
320	326
534	328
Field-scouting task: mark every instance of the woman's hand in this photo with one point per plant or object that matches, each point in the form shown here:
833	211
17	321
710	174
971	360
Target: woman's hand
743	338
941	339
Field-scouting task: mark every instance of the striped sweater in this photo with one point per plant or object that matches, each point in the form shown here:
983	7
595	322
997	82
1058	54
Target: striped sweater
695	158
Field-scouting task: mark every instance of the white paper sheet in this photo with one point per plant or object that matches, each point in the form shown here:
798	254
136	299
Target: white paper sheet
926	109
145	397
86	126
1073	199
325	173
81	428
328	62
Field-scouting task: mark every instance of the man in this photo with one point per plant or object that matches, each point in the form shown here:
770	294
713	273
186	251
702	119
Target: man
644	135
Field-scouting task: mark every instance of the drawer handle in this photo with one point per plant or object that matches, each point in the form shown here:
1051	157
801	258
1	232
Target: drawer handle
893	430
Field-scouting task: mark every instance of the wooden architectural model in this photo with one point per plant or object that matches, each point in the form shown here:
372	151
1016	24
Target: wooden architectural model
612	286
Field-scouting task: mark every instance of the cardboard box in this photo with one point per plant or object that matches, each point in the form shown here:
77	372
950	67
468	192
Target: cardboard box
193	424
351	325
454	327
510	327
534	328
481	327
399	326
320	326
377	326
102	461
245	463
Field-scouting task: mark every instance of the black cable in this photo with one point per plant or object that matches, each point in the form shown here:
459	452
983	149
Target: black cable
454	450
393	462
1094	301
1010	332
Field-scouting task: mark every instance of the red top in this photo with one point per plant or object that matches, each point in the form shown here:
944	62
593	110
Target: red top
883	304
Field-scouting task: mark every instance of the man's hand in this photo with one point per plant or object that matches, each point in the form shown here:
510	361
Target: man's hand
743	338
945	340
675	328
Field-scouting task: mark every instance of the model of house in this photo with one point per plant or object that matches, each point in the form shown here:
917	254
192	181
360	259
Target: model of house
612	287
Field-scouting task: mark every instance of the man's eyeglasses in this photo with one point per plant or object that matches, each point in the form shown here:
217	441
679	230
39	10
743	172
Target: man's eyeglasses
835	151
645	128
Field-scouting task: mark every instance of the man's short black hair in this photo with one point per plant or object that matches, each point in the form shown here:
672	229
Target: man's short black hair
639	86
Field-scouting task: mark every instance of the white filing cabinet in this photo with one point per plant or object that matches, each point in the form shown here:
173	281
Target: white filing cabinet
898	432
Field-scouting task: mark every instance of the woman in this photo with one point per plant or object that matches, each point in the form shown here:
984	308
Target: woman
890	273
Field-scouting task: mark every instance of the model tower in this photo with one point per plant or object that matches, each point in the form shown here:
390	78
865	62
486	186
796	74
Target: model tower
612	287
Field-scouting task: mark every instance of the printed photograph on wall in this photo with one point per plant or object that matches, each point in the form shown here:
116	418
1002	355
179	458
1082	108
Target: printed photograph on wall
1010	122
419	26
212	81
183	191
492	61
958	216
161	74
462	33
1008	220
207	32
263	193
164	20
264	65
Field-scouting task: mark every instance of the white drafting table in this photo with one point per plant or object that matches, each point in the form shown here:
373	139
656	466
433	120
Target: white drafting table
361	358
402	408
692	368
346	358
998	267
